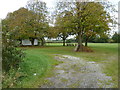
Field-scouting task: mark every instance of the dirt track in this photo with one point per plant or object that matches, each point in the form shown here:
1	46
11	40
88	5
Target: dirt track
77	73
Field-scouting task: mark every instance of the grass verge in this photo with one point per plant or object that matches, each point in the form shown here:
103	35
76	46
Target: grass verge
36	67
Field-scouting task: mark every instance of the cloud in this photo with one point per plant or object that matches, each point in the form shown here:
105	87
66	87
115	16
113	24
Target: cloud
10	6
7	6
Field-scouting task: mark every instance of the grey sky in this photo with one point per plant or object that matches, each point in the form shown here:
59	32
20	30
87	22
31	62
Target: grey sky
12	5
7	6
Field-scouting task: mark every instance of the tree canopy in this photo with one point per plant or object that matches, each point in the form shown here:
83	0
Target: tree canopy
83	19
29	23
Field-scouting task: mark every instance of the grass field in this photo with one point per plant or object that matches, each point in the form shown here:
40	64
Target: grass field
40	61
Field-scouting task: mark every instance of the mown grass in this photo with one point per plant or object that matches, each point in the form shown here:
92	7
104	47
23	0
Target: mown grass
36	66
40	60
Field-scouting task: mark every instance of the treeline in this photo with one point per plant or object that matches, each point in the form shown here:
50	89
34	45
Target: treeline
85	20
104	39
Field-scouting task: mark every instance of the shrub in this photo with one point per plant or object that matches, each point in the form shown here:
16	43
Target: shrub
11	58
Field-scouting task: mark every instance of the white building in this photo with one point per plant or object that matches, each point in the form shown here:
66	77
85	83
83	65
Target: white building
28	42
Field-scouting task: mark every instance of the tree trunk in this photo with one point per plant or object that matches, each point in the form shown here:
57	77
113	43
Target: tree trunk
86	43
42	41
32	41
63	42
20	42
38	43
79	47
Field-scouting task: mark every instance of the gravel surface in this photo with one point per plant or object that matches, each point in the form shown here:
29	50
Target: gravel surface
75	72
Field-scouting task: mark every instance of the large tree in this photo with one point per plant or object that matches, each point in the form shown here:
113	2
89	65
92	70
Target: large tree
63	25
98	25
90	19
19	23
31	23
40	9
87	19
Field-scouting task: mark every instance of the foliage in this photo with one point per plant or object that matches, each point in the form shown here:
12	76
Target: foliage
20	21
62	24
11	78
39	8
86	24
11	57
101	40
63	16
30	22
52	32
77	18
116	38
97	39
71	41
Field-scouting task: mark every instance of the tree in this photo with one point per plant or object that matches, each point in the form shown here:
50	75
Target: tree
62	18
101	39
63	25
21	21
116	37
40	30
81	20
88	19
86	25
52	32
102	27
30	24
72	40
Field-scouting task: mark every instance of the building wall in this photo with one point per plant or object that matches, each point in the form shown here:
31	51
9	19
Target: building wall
28	42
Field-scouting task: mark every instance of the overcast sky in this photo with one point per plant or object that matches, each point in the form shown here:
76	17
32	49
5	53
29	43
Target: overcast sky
7	6
12	5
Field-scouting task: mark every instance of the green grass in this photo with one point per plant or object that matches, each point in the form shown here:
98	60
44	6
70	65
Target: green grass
36	63
40	60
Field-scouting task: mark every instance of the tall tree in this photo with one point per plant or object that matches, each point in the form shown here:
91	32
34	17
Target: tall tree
63	25
40	9
84	24
20	24
89	19
98	25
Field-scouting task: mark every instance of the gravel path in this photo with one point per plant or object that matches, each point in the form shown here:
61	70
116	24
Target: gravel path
77	73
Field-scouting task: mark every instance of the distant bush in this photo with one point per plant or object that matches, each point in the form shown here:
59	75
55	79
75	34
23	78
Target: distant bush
101	40
96	39
71	41
116	38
